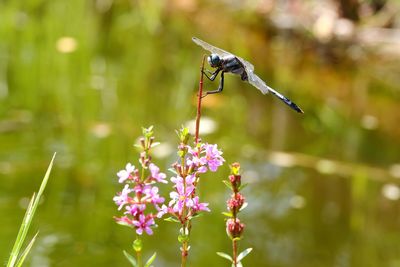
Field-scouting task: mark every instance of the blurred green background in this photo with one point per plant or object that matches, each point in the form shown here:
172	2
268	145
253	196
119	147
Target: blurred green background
82	77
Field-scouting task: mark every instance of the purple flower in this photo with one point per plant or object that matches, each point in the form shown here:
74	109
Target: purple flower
139	188
125	174
135	209
144	223
122	198
177	180
199	206
195	159
181	197
156	174
163	210
152	194
190	179
213	157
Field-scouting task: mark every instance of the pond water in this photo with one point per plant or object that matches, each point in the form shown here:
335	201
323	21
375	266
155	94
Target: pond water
81	78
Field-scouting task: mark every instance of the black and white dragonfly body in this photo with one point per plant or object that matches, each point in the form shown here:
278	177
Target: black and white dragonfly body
224	61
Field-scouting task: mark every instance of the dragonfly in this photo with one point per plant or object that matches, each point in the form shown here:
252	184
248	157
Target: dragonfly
223	61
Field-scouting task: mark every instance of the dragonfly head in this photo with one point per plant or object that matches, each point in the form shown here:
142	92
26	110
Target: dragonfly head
214	60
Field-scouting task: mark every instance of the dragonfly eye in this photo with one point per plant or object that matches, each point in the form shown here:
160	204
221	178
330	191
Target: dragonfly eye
214	60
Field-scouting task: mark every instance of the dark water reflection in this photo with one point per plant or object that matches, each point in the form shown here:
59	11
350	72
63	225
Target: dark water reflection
83	78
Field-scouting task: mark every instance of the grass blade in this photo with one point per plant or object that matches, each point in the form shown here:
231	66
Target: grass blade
26	222
26	251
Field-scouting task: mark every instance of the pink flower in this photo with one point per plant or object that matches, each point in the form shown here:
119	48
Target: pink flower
156	174
123	197
213	157
163	210
152	195
181	197
135	209
199	206
125	174
144	223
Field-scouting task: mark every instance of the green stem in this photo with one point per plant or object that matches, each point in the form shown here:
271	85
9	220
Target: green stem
139	258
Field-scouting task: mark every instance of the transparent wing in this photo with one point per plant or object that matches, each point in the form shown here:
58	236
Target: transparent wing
257	82
248	65
220	52
260	84
211	48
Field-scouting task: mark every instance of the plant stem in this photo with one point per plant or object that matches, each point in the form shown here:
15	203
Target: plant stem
199	97
186	224
184	253
234	248
139	258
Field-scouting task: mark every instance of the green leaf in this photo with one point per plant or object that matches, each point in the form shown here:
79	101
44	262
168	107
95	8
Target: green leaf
243	186
130	258
245	204
150	260
124	224
239	264
147	132
184	135
195	216
172	170
183	238
243	254
224	255
227	214
171	219
155	144
228	184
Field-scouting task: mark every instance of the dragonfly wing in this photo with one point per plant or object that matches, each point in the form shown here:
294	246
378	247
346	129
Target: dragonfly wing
211	48
248	65
257	82
221	52
260	84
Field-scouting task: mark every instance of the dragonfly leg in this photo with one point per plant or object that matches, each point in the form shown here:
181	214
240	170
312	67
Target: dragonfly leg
220	87
213	74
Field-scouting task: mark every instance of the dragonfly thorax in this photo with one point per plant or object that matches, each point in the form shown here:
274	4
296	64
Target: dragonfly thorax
214	60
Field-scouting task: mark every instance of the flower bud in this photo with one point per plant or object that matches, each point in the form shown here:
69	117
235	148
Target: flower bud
142	142
236	181
235	203
234	228
235	168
